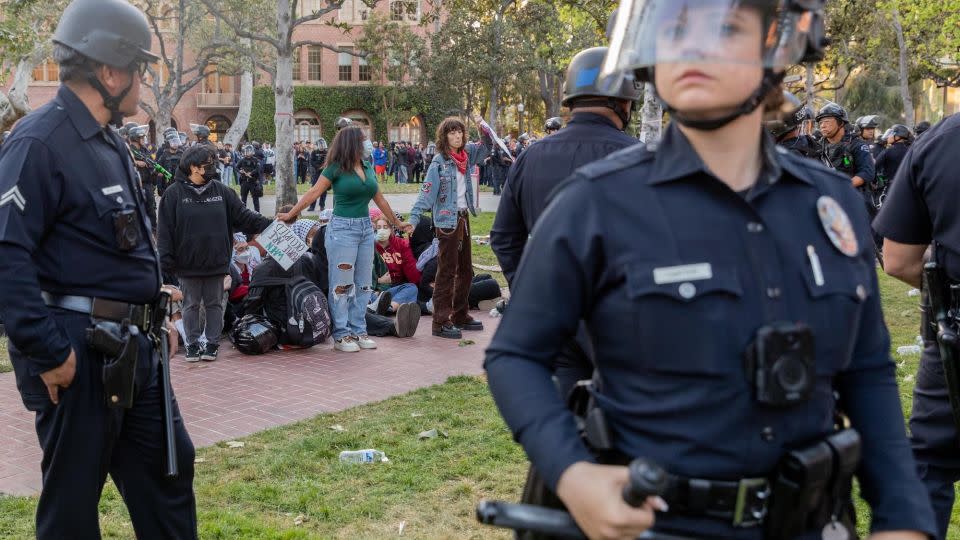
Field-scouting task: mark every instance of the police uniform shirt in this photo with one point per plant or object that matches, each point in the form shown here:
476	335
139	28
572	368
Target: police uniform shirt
63	177
587	137
921	205
888	162
673	290
859	151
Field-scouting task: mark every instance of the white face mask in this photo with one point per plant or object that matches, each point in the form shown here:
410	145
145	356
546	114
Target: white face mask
367	149
383	235
243	257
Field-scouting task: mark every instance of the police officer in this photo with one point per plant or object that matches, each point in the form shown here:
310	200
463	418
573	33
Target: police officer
920	210
552	125
202	133
148	177
250	173
3	137
75	241
786	124
921	128
318	159
690	261
888	162
169	158
868	132
847	153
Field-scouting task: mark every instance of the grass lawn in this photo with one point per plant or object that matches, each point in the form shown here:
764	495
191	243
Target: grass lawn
291	474
5	365
388	187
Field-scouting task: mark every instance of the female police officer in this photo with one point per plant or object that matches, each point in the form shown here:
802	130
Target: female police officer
685	261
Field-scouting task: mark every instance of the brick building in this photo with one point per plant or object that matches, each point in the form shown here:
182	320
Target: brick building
215	101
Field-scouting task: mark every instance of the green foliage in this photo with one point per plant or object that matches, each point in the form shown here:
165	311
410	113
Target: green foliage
331	102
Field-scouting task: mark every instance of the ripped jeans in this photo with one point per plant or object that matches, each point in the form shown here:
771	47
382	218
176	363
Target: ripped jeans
349	244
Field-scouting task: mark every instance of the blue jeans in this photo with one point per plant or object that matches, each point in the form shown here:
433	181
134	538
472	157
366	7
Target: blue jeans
401	174
404	293
349	244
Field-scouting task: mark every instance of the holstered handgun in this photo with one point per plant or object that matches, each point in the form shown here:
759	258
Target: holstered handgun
941	292
119	346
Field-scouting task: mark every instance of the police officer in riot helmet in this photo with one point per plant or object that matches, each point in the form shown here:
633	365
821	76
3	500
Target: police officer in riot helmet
552	125
868	132
169	157
765	256
888	162
202	133
786	124
148	180
921	128
79	289
849	154
920	212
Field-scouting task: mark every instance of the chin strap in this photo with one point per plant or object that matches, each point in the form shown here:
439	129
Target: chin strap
112	103
610	103
770	81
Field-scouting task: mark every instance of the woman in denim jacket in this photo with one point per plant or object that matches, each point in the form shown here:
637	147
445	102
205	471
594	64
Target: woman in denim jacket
447	193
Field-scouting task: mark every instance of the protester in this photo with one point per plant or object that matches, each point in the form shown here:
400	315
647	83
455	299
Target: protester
448	193
350	235
380	161
400	280
195	240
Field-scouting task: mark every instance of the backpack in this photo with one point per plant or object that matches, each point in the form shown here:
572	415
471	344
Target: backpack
308	321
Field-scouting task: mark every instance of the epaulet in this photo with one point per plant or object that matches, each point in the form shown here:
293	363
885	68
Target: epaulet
617	161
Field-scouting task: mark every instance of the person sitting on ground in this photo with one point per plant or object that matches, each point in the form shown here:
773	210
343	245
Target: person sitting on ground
245	260
401	280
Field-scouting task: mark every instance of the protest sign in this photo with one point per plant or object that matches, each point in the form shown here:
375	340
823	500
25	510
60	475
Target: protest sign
282	244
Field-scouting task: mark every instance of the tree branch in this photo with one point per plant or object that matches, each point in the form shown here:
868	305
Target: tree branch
352	52
211	5
331	5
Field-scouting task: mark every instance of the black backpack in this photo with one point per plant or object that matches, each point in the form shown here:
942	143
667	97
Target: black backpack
307	318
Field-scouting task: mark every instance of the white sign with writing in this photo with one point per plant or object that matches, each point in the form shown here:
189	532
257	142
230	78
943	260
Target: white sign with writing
282	244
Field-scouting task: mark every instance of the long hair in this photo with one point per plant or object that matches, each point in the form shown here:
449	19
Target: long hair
449	124
346	150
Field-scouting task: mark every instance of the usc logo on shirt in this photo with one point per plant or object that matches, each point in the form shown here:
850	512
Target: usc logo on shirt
392	258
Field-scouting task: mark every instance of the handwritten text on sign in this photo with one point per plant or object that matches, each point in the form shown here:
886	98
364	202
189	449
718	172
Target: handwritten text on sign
282	244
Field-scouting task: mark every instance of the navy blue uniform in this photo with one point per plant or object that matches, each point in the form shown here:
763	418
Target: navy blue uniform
673	273
803	145
921	208
586	138
888	162
64	177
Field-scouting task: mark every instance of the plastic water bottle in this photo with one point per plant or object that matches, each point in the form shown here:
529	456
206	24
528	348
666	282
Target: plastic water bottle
908	349
363	456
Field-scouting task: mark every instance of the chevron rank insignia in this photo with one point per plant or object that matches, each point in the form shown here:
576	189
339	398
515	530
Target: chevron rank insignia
13	196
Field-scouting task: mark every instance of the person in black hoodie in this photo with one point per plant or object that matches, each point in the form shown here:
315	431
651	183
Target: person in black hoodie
198	218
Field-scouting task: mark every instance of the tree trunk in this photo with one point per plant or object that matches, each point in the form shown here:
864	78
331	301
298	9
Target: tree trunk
548	83
494	98
811	89
651	116
236	131
161	120
283	117
14	104
908	113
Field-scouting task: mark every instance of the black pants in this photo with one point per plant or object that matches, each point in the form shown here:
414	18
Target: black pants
417	173
249	188
301	172
380	326
934	437
323	197
150	198
83	441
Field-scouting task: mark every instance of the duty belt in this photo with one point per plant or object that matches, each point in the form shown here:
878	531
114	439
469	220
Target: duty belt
100	308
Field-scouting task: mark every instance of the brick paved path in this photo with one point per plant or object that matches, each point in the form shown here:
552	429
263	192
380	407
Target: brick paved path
239	395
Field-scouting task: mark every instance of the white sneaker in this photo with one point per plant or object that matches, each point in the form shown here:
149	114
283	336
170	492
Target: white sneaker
364	342
347	344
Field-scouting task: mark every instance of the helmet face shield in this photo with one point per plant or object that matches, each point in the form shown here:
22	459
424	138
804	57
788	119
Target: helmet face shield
747	32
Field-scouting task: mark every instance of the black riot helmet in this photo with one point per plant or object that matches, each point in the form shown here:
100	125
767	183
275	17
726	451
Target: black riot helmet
124	131
552	125
108	32
201	131
901	132
248	150
833	110
645	33
137	132
921	127
582	86
871	121
791	115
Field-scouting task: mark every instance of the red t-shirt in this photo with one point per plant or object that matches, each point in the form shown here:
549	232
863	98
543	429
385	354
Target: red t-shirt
400	260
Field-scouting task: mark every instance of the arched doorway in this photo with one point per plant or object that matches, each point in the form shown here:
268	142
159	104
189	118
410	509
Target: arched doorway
410	131
306	126
363	120
219	125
